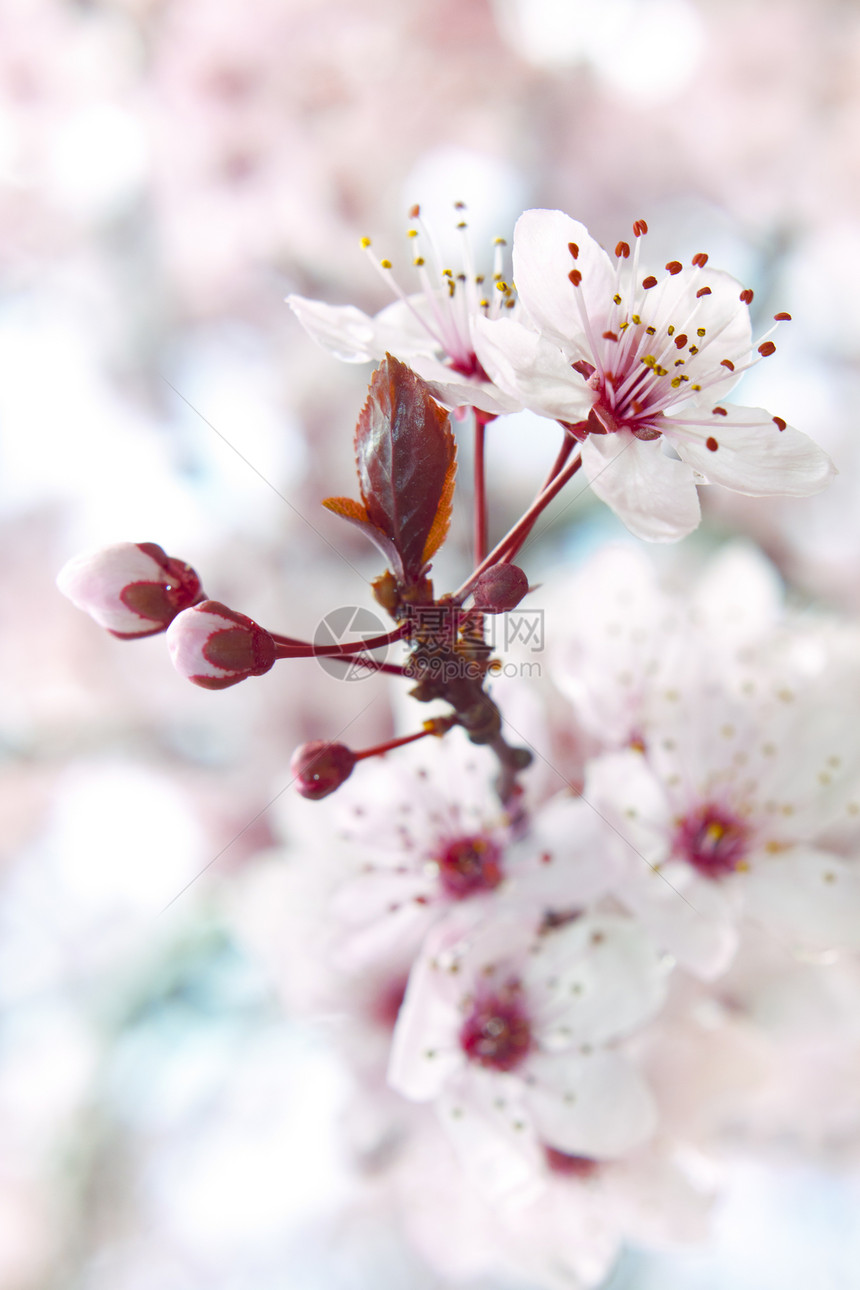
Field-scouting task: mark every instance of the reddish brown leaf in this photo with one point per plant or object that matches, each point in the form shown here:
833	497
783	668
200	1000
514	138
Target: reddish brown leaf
353	511
406	459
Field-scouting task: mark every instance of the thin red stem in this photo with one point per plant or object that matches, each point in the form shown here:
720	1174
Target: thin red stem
567	446
514	538
393	669
379	749
287	647
480	497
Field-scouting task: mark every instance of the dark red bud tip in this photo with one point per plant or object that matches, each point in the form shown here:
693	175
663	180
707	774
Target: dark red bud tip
321	767
500	588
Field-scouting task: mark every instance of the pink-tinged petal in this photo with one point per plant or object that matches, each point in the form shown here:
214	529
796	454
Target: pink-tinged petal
454	391
131	589
809	895
692	918
567	865
653	495
748	450
532	369
488	1124
597	978
215	646
425	1052
590	1105
542	262
342	329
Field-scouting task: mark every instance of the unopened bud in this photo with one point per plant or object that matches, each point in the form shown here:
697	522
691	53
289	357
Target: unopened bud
500	588
321	767
131	588
215	647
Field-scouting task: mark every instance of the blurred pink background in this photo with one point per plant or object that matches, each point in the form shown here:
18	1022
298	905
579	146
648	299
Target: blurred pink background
171	170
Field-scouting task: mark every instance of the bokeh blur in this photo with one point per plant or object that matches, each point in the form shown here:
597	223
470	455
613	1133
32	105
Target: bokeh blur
171	170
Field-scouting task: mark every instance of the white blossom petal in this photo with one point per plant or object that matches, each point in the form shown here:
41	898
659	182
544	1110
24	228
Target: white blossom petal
342	329
653	495
752	454
532	369
542	262
812	896
590	1105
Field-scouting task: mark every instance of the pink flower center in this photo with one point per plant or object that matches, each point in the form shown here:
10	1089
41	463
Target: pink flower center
712	841
561	1162
497	1033
469	865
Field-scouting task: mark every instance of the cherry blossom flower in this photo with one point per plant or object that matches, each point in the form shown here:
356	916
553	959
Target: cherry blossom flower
505	1026
433	329
726	818
638	365
622	634
424	834
132	588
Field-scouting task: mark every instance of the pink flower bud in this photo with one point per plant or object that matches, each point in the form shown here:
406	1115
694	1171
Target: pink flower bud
500	589
320	767
215	647
131	588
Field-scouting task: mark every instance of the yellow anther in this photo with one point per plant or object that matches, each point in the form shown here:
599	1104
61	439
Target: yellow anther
700	331
715	831
636	319
418	261
501	285
386	264
413	232
365	243
499	241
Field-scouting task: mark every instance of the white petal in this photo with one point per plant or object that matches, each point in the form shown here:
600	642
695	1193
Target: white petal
542	262
653	495
344	330
811	895
596	979
596	1105
753	455
425	1053
95	581
532	368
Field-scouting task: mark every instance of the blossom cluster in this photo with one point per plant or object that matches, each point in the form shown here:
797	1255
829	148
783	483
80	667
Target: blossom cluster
549	943
578	988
